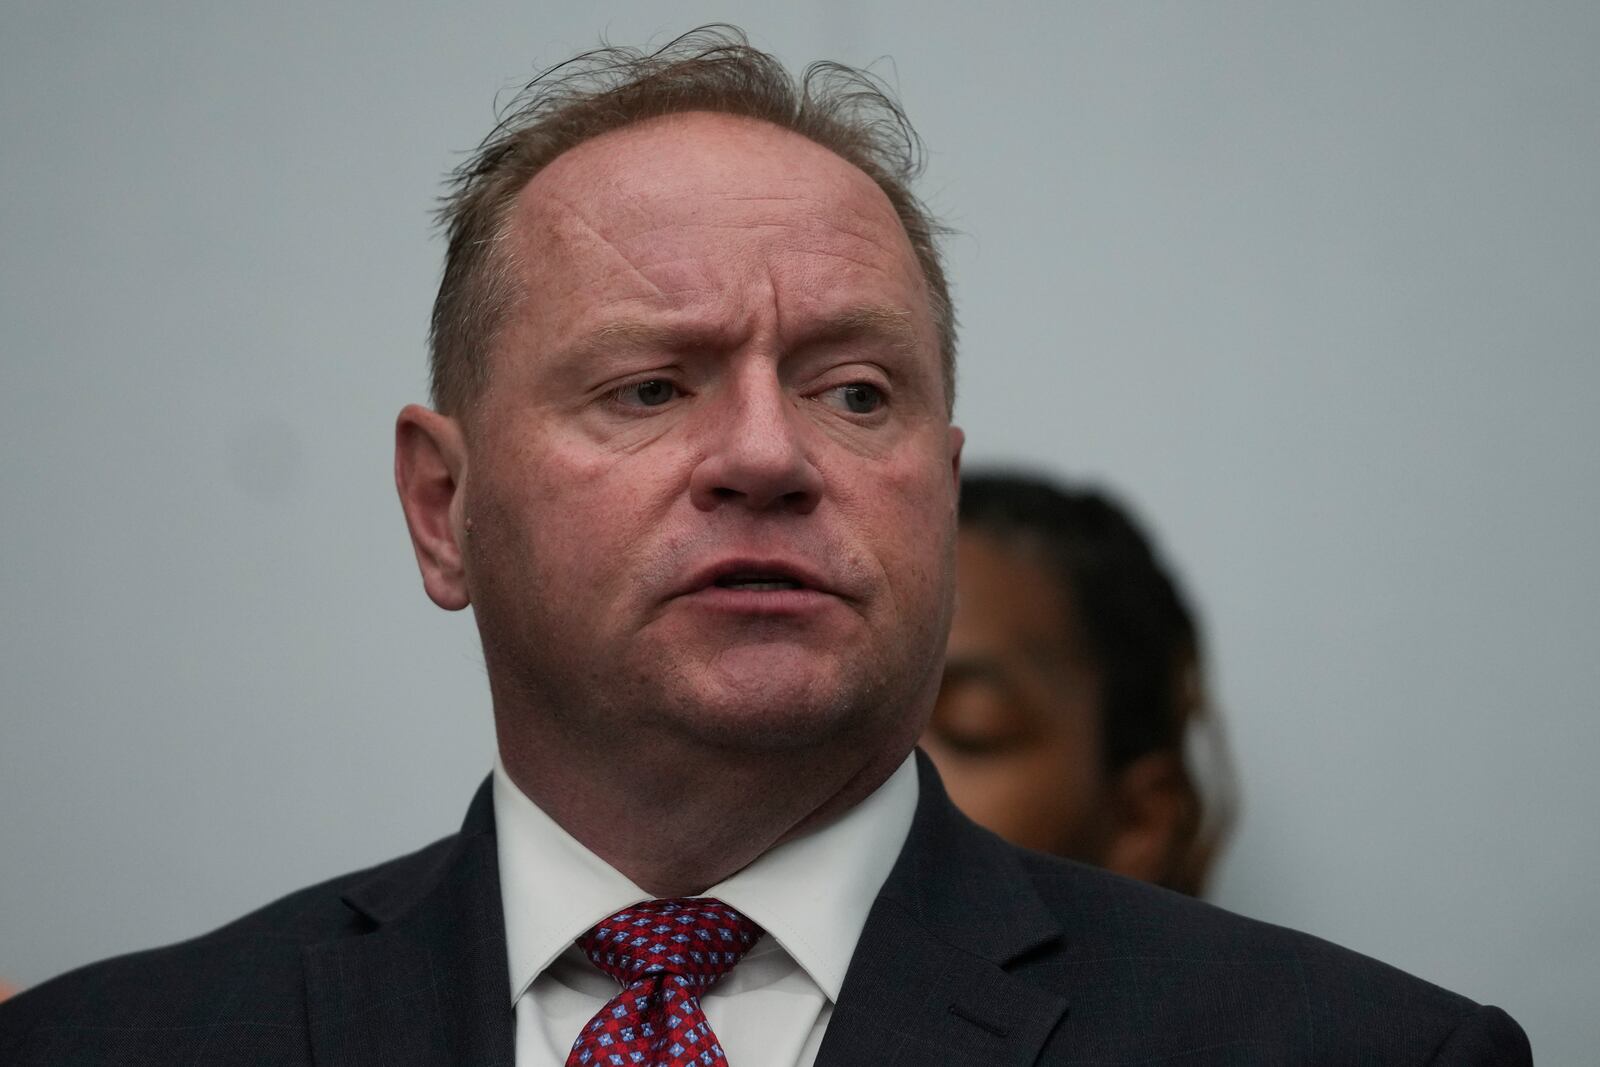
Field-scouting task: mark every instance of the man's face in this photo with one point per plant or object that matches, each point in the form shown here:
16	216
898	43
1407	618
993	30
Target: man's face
711	483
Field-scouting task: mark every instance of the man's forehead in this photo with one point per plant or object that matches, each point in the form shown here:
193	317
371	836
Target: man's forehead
675	160
685	212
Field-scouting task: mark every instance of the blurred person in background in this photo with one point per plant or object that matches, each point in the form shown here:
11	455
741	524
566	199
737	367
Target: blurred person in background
1073	716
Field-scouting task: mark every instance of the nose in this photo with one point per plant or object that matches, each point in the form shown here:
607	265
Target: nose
755	453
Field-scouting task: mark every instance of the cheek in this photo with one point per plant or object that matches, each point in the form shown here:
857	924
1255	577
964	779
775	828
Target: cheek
538	517
906	511
575	539
560	489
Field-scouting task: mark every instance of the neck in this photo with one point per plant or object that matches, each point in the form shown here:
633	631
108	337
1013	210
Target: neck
672	840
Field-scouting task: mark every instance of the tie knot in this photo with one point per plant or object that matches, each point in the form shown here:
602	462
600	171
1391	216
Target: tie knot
698	939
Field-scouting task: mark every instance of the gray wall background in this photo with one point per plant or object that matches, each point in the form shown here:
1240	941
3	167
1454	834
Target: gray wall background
1318	285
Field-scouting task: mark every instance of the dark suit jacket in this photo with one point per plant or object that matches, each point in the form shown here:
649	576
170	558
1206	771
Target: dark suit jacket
975	953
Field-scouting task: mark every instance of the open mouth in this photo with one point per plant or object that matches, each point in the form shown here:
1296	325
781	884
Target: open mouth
761	584
757	583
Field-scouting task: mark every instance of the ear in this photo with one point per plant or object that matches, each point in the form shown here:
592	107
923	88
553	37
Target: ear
1154	813
430	467
958	437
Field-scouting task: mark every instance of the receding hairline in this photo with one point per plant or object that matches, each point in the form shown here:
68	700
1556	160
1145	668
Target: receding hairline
849	112
895	324
695	115
554	168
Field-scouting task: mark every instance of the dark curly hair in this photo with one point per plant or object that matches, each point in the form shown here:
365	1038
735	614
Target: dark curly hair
1139	630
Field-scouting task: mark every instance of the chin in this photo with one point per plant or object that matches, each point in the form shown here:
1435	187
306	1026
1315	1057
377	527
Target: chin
764	704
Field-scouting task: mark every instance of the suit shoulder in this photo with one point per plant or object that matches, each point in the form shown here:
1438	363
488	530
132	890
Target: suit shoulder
1182	954
1111	913
245	976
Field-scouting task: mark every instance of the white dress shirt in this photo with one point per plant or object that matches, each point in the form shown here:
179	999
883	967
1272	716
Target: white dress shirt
811	895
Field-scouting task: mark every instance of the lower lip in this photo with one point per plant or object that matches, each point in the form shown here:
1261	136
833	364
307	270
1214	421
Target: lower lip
760	601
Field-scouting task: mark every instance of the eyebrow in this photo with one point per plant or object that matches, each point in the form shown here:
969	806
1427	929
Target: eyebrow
635	333
891	323
625	336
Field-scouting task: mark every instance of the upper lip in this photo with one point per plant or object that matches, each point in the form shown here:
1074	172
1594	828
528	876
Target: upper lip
773	567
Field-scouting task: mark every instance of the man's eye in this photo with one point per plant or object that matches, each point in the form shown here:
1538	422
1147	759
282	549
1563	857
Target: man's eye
858	398
647	394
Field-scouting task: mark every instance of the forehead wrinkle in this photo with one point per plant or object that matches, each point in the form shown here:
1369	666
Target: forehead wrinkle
839	208
569	217
840	215
891	323
772	297
828	253
833	214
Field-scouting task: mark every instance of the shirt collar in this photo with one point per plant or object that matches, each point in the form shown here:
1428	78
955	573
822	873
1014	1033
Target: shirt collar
811	894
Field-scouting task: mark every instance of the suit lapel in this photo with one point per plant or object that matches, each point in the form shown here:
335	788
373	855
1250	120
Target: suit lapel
928	982
428	985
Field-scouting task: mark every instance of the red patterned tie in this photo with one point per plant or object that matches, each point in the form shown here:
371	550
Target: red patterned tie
665	954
